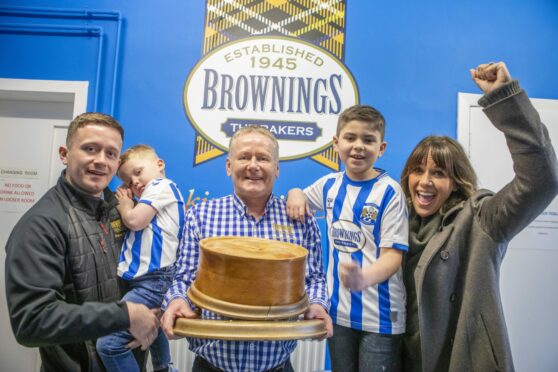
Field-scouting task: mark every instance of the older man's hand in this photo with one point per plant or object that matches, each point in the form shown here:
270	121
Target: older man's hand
316	311
178	308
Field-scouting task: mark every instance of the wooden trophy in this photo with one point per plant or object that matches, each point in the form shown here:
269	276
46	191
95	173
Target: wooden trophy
258	284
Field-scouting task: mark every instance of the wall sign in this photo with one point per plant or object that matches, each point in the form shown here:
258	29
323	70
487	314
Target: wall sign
276	64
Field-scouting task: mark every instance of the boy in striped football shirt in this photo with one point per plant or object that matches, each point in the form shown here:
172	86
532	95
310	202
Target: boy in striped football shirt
366	217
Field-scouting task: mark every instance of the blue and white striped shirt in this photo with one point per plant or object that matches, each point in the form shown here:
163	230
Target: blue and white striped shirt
363	217
154	247
228	216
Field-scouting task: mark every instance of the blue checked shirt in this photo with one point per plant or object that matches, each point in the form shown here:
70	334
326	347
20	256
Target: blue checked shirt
228	216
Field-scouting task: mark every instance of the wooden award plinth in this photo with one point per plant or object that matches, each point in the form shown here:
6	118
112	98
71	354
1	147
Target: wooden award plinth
244	330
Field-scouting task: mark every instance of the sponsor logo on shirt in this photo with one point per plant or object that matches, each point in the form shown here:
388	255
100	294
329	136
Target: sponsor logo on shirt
347	236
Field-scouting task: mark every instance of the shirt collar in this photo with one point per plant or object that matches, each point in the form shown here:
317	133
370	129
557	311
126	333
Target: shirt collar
381	173
243	210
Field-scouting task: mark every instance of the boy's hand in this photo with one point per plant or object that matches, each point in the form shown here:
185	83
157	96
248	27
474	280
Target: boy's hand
297	207
124	197
489	76
352	276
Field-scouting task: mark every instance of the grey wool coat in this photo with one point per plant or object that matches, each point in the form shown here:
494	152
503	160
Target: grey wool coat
457	277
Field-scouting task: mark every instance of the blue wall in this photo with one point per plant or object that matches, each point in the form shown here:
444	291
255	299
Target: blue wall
409	59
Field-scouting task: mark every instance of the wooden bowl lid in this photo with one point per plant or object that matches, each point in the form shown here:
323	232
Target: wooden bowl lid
250	278
242	330
253	248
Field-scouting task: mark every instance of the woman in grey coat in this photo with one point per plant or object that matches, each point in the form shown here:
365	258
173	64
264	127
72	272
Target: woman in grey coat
458	235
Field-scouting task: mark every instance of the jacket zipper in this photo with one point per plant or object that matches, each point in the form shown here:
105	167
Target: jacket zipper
101	240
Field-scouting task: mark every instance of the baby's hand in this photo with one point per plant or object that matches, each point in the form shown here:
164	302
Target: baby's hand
124	196
351	276
297	207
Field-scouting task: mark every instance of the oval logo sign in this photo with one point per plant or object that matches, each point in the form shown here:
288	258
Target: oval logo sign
295	89
346	236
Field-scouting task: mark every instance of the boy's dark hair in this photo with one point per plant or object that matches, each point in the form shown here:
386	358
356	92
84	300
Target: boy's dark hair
364	113
92	118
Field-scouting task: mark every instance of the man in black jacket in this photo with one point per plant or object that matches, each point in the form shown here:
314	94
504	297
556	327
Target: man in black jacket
61	282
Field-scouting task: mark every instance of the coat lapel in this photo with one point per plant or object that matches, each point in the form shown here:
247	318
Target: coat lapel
432	248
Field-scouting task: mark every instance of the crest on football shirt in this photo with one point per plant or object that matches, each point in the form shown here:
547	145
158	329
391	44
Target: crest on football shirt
369	214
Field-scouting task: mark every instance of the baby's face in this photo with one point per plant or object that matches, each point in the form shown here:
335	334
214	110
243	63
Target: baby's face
138	171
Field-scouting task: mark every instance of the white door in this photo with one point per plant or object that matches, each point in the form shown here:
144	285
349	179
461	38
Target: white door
528	274
34	117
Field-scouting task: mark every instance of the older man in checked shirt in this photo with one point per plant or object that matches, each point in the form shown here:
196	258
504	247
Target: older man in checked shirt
252	210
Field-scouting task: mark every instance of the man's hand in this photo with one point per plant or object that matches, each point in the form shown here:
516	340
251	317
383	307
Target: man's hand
178	308
124	197
352	276
490	76
297	207
144	325
316	311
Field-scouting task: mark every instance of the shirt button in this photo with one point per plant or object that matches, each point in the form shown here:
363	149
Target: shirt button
453	297
444	255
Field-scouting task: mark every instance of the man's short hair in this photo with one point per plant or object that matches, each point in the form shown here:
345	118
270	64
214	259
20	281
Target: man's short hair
92	118
363	113
260	130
